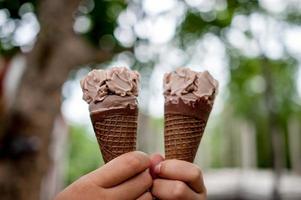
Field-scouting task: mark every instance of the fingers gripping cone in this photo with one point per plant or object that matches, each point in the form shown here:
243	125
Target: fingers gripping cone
112	97
189	98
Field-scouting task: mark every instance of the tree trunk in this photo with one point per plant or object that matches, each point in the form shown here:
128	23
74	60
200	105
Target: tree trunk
24	143
273	128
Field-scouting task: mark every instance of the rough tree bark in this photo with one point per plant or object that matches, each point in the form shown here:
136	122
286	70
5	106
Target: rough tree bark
28	125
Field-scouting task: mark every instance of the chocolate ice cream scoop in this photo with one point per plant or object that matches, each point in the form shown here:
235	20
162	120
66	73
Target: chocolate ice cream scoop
189	86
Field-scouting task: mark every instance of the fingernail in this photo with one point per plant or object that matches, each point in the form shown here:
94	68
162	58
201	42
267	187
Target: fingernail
157	168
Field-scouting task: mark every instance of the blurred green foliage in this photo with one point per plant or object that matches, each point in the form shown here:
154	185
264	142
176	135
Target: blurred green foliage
104	20
102	14
250	93
14	6
83	154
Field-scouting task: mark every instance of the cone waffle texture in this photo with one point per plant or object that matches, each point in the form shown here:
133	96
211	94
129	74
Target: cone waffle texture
182	136
115	132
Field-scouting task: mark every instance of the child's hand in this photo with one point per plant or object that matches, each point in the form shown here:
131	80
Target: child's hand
126	177
177	179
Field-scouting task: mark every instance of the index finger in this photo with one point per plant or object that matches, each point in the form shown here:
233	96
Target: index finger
120	169
182	171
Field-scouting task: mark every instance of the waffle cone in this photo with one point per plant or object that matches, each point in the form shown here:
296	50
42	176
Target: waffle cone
115	131
183	129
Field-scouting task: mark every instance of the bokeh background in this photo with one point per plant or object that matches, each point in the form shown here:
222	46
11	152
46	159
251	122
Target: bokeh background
251	148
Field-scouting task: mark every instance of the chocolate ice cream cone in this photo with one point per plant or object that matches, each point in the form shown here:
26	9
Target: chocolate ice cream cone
115	131
112	98
189	98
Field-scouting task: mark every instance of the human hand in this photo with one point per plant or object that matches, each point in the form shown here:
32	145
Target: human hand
126	177
176	179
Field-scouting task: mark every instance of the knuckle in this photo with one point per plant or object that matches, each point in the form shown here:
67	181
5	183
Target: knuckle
179	190
133	161
196	173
